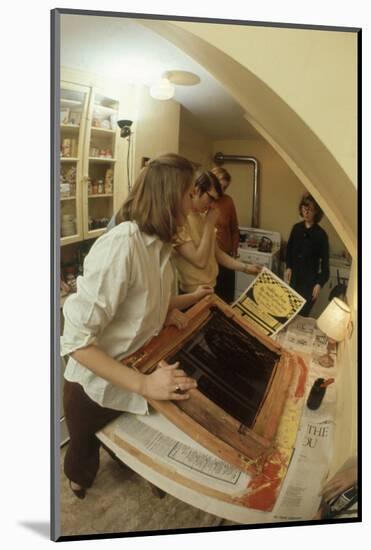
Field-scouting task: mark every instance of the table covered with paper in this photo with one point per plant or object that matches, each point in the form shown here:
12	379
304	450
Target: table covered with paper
282	485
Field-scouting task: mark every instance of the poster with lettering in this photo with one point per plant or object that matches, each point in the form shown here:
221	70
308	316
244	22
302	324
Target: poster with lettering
269	303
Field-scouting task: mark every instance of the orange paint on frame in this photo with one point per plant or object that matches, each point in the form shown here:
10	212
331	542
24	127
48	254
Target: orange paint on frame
300	388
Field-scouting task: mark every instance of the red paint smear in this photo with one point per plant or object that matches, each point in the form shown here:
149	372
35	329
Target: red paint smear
262	490
300	388
265	498
271	471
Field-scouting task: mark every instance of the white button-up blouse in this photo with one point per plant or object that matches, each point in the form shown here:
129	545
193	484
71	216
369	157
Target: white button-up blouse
120	304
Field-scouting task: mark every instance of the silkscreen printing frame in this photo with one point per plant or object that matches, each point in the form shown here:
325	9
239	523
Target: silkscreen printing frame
201	418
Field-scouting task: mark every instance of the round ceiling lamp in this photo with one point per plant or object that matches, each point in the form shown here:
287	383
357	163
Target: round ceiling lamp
182	78
162	89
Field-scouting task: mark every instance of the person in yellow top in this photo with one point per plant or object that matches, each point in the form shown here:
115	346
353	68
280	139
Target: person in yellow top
196	251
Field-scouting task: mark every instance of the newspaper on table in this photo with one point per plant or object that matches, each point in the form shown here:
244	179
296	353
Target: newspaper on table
300	498
156	435
268	304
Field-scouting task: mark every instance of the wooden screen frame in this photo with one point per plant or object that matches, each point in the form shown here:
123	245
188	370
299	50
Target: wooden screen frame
201	418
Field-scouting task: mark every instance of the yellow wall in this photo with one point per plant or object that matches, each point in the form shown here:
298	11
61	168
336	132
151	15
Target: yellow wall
156	126
314	71
280	189
193	143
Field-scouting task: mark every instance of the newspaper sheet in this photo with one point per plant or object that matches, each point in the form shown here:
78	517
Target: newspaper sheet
155	435
299	498
268	303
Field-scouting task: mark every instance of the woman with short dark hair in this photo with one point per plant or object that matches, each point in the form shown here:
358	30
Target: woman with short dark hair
307	254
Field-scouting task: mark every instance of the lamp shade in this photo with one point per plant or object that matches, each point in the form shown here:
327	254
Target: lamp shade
163	89
335	319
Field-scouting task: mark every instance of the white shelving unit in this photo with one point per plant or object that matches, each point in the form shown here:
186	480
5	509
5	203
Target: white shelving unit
102	132
88	126
73	111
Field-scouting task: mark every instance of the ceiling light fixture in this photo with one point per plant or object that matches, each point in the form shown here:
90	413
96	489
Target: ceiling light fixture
162	89
182	78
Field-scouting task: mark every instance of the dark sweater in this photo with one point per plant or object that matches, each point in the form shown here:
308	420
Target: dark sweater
308	257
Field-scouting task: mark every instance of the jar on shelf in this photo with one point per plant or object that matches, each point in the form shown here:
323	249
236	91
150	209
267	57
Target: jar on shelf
66	148
65	190
90	187
94	188
100	187
108	182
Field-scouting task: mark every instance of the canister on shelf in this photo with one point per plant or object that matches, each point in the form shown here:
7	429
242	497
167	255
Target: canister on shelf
66	147
65	190
94	188
108	181
73	147
100	187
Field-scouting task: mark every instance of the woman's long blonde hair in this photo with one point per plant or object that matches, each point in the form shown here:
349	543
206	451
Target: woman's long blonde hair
155	201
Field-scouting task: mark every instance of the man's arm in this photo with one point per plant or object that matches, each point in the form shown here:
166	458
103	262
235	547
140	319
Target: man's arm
231	263
199	255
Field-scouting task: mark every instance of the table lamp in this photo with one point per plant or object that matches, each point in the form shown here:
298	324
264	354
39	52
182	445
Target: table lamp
334	322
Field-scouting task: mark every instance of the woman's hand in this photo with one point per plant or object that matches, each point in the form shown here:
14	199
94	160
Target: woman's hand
202	291
167	382
288	274
253	269
339	483
315	292
176	318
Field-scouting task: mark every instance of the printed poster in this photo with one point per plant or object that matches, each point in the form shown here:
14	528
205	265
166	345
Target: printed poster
268	303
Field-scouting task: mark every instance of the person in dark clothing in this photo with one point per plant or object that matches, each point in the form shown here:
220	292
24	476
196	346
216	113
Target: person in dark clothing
307	256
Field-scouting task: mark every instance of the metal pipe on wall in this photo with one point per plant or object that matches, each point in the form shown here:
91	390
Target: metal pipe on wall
219	159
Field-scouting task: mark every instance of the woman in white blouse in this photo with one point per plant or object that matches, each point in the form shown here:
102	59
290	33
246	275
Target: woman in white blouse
122	301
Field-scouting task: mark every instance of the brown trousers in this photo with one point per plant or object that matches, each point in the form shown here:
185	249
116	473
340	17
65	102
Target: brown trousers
84	417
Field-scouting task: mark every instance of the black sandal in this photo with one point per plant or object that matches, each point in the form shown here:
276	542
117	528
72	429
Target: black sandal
80	493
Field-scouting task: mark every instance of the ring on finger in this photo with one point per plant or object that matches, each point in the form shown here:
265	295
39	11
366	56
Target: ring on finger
178	389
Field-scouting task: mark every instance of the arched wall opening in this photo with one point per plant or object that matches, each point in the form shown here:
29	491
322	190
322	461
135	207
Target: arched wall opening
317	142
290	135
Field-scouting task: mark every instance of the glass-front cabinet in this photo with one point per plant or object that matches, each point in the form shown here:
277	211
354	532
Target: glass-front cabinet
101	159
73	111
88	124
